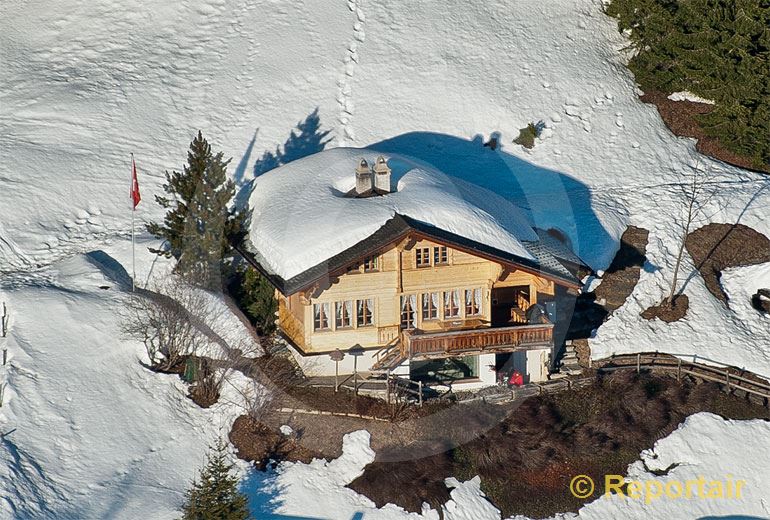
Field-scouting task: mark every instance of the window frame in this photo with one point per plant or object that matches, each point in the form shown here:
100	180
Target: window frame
404	313
367	307
422	257
448	299
373	259
471	303
440	255
350	315
425	311
322	314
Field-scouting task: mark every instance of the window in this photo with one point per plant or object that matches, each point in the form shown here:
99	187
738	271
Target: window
321	316
440	255
430	306
408	305
344	314
452	304
422	258
445	370
472	302
365	312
370	264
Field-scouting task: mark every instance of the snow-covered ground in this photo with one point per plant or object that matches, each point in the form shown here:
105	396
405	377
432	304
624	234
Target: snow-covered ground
86	82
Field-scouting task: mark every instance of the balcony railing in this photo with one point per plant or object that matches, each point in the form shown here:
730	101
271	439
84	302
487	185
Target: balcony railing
415	344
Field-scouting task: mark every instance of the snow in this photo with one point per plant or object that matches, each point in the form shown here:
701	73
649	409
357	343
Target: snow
689	96
301	216
86	83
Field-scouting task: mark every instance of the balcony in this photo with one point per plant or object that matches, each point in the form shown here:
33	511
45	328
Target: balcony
487	340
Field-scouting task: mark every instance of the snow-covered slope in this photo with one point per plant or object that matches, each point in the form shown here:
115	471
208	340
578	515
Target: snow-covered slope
86	82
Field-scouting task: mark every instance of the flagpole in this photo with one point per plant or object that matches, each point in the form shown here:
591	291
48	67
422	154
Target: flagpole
133	210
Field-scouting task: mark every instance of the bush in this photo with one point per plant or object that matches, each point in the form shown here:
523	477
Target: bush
716	49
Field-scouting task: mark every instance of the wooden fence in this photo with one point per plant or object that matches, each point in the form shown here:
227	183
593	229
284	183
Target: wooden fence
731	377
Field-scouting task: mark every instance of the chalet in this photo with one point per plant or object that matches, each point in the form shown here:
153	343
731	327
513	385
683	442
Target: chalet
406	270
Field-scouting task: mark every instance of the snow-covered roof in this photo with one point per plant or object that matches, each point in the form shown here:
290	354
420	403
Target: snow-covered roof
301	216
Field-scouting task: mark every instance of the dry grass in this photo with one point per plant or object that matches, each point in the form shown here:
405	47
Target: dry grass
527	460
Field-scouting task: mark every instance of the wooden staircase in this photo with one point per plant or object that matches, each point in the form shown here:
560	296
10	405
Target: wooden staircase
388	358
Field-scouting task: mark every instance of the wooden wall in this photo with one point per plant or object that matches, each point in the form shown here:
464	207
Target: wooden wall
399	275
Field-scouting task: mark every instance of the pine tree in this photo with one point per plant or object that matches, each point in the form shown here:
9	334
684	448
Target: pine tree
214	494
256	296
198	226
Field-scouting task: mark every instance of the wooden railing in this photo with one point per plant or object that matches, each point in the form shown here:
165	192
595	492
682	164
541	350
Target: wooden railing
477	340
388	334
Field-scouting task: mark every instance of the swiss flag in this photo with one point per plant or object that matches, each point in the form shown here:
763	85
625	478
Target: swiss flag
135	197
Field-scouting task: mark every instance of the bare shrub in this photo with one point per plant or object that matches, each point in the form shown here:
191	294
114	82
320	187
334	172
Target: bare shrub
168	321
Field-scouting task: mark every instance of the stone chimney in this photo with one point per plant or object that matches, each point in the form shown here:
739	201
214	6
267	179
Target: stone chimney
381	175
363	177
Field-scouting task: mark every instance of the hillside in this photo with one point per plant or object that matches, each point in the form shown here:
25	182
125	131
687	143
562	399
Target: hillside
86	83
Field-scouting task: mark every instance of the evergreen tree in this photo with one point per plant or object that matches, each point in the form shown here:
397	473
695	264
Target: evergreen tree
717	49
256	297
198	226
214	494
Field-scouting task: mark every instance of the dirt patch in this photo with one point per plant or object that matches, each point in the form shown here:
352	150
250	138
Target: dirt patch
669	312
681	117
716	247
527	459
258	443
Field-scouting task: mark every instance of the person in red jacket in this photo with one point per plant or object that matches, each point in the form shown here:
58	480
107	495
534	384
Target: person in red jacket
516	379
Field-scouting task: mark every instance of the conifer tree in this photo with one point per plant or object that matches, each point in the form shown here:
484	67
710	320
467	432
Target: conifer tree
198	225
214	494
256	296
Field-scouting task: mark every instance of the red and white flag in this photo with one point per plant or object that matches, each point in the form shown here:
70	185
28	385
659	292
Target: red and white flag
135	197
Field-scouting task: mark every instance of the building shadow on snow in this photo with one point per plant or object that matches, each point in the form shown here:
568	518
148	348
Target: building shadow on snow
554	200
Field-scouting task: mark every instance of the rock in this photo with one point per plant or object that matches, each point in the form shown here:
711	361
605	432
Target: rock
761	300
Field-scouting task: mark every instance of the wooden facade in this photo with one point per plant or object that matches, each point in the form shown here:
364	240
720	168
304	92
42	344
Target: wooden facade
460	302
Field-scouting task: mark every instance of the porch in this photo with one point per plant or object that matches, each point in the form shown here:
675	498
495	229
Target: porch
418	345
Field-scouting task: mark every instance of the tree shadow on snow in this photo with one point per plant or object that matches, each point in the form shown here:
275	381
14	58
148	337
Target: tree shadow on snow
305	139
264	498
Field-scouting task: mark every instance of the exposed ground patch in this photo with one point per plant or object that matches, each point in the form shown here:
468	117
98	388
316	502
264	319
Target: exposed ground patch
527	460
716	247
618	282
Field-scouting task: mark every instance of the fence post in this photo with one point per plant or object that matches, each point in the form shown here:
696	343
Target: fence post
638	362
679	369
2	394
5	356
419	385
4	320
727	378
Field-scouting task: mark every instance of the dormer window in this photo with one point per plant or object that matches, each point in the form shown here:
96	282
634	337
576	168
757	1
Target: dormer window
440	255
422	257
371	263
